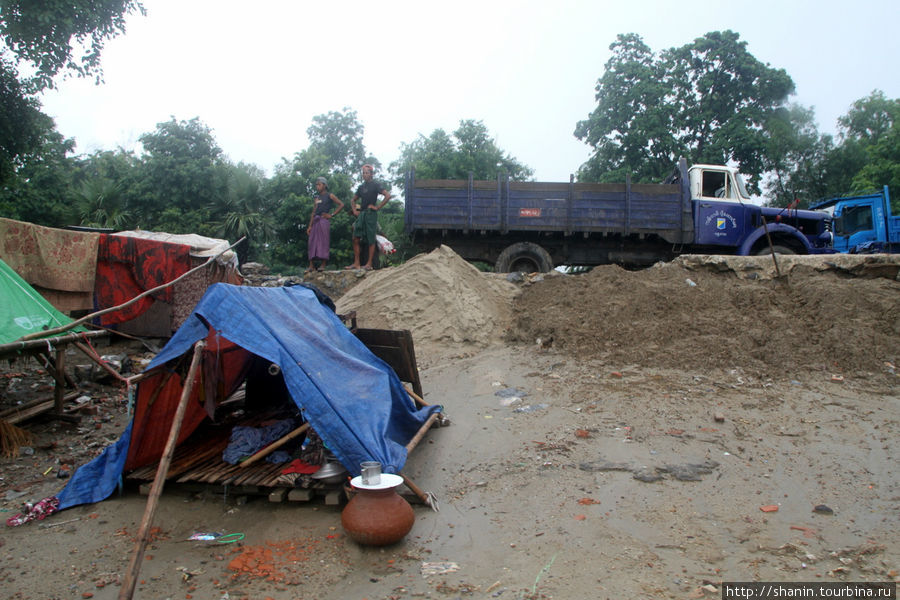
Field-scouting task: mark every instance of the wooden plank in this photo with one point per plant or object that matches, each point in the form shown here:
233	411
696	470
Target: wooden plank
395	347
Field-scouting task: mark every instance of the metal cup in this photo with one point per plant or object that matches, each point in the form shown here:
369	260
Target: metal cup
371	472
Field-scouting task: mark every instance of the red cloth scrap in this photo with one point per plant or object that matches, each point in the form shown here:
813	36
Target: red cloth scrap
128	267
298	466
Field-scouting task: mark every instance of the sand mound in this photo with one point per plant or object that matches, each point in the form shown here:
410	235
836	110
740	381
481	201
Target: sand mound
673	316
438	296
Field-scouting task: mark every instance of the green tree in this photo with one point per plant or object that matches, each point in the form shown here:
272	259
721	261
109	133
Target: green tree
183	177
807	167
870	118
873	122
338	137
62	35
708	100
101	203
632	129
793	147
46	38
106	195
243	214
471	149
41	191
23	126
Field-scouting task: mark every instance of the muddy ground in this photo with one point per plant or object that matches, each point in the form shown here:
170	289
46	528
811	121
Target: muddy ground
615	434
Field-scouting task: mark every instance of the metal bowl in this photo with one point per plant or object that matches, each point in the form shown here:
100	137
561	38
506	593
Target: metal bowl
330	473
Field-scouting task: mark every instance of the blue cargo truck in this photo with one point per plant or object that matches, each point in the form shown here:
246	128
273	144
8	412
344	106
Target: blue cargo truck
864	224
535	226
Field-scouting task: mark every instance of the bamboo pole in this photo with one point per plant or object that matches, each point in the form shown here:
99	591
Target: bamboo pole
426	497
144	294
421	433
417	398
100	362
127	591
31	344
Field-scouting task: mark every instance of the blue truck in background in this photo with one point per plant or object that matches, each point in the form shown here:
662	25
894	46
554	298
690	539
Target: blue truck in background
535	226
863	224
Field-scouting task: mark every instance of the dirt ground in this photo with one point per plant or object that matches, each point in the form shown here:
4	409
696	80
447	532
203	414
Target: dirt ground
615	434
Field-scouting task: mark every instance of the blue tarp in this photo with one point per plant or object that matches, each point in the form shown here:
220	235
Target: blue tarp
351	398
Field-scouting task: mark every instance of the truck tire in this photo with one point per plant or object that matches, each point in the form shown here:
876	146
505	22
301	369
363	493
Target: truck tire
523	257
779	249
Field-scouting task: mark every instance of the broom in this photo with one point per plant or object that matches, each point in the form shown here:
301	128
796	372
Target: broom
11	438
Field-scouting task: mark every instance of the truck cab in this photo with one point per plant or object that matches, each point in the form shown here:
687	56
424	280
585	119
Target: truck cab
864	224
715	182
720	202
726	218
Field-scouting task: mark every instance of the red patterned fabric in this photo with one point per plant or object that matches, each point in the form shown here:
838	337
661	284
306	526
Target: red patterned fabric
128	266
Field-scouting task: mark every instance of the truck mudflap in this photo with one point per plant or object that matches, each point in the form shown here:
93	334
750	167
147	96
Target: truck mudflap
780	233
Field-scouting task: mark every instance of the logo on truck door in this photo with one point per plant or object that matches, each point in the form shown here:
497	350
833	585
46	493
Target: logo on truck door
529	212
722	219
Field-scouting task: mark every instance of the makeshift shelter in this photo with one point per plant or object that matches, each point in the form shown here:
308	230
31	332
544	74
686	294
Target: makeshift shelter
132	262
353	400
77	270
60	264
25	312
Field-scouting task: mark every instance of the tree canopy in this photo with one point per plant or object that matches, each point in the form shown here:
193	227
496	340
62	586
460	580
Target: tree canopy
470	149
709	101
62	35
806	166
41	40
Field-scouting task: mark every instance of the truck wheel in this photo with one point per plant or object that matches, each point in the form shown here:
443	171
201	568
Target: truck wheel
523	257
765	250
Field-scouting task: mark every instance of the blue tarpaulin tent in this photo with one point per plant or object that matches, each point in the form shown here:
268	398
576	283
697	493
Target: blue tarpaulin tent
351	398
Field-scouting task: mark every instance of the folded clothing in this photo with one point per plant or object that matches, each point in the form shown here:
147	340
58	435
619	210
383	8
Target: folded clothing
246	441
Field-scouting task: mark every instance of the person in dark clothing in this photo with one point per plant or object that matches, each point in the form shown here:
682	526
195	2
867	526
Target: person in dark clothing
326	206
366	225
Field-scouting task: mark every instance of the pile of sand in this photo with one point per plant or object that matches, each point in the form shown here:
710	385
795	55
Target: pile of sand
692	317
438	296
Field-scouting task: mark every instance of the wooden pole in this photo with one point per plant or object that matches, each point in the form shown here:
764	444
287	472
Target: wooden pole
427	498
421	433
771	247
417	398
100	363
59	391
416	490
275	445
45	343
127	591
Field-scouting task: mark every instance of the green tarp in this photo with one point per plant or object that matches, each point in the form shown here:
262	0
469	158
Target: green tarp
23	310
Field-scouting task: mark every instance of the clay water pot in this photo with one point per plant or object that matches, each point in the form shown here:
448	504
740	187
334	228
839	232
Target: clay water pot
377	515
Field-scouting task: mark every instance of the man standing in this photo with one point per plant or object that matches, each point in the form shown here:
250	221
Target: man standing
366	225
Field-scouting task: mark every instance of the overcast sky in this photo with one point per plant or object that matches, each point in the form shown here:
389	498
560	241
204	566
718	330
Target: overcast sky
257	73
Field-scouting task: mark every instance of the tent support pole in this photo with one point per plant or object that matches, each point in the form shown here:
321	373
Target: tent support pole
426	497
421	433
417	398
127	591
